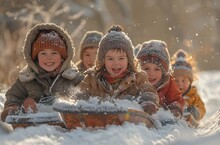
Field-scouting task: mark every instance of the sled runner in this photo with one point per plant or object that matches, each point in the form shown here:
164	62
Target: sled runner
35	120
100	116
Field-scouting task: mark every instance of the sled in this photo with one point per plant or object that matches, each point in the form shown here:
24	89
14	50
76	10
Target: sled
88	118
37	119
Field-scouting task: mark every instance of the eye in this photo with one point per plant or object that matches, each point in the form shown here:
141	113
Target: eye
145	68
86	54
42	53
109	58
157	69
55	52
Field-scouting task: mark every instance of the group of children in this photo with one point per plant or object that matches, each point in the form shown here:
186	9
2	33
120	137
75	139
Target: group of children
108	68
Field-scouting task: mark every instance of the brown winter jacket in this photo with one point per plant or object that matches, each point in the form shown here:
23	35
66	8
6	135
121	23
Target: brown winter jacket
134	84
192	98
170	95
29	84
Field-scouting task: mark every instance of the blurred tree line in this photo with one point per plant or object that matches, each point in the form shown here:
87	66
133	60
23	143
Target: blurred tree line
192	25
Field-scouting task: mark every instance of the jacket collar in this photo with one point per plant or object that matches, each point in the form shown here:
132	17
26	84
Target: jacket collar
28	74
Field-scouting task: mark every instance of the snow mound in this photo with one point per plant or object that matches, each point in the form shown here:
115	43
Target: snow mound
94	104
211	126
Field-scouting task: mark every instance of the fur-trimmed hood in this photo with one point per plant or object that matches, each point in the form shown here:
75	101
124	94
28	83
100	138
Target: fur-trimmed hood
31	36
27	74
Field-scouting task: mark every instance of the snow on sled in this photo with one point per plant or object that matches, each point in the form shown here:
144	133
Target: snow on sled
96	114
34	120
44	115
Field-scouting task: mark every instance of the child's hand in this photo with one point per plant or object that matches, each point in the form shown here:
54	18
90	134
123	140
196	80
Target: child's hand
176	113
29	105
194	112
149	107
10	110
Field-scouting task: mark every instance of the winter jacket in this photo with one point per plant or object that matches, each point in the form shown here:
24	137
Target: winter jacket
170	95
192	98
29	84
133	84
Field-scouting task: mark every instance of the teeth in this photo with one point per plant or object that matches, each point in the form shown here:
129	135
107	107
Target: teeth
49	63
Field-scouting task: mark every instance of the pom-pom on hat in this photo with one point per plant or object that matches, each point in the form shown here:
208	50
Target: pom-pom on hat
156	52
115	39
181	65
91	39
48	40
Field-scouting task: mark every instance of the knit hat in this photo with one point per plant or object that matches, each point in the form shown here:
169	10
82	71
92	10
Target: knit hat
48	40
155	51
115	39
91	39
181	65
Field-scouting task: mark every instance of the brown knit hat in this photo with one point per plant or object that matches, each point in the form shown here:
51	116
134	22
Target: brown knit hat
48	40
91	39
115	39
155	51
181	65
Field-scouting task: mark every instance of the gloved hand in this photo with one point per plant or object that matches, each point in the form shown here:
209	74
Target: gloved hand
29	105
194	112
149	107
176	112
13	109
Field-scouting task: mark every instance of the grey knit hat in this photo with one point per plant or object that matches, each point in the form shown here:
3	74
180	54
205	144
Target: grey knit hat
155	51
90	39
115	39
182	65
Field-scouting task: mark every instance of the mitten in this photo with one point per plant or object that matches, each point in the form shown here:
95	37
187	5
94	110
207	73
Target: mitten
194	112
149	107
175	110
13	109
29	105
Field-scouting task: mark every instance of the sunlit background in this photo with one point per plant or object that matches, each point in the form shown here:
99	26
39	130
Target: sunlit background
192	25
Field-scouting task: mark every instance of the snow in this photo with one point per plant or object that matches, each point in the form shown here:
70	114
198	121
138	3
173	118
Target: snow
94	104
128	133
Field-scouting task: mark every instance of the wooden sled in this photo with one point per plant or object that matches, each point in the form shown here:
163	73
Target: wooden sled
37	119
101	119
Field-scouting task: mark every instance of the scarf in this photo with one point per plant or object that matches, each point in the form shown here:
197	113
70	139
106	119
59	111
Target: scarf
113	80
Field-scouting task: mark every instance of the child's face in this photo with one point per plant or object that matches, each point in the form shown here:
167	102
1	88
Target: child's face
89	56
154	72
49	59
116	62
183	83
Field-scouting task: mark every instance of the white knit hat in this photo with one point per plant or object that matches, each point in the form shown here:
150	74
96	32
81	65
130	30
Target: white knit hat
181	65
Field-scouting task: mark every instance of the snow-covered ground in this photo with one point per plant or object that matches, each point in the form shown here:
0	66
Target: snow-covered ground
128	133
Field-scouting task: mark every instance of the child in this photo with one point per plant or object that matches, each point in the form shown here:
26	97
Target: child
155	60
183	74
115	74
48	50
88	50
